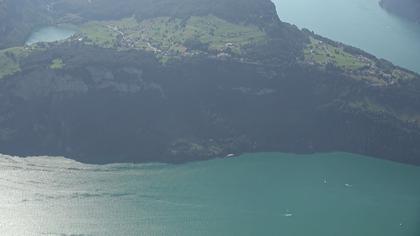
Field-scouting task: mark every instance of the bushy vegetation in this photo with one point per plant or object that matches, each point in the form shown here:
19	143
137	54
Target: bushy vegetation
57	64
10	59
8	65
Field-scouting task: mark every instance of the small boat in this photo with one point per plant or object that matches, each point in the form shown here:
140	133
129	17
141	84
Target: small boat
230	155
288	213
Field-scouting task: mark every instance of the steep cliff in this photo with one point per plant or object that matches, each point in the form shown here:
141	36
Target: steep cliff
189	80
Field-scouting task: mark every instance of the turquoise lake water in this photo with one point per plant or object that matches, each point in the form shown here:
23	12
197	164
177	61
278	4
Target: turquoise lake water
360	23
50	34
255	194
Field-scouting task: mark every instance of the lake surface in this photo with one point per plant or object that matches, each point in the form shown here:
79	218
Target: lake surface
50	34
360	23
255	194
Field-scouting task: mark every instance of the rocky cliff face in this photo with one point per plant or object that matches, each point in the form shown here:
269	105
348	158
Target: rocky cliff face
220	85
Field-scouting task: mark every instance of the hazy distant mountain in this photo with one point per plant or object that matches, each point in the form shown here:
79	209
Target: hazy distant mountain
406	8
179	80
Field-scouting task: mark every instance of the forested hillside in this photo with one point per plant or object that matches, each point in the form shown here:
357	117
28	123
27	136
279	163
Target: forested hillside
182	80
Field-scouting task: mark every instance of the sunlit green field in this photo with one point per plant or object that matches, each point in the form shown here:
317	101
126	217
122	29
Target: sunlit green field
174	35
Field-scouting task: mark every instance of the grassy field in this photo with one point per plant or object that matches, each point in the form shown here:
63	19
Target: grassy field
218	33
165	36
322	53
357	66
173	35
99	34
